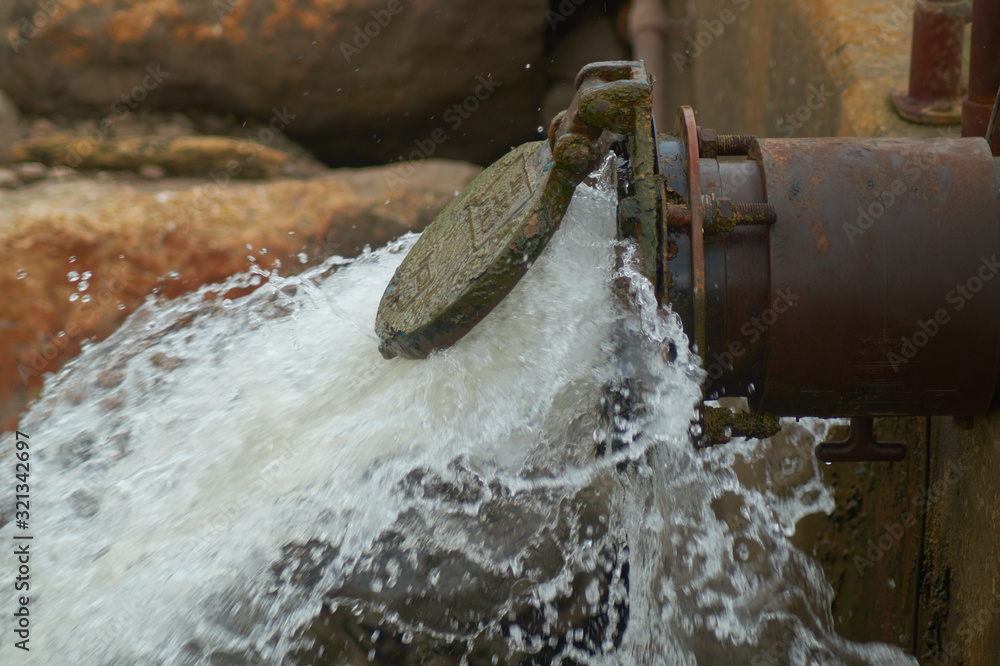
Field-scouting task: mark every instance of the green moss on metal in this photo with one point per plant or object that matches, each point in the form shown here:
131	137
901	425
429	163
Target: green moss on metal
721	425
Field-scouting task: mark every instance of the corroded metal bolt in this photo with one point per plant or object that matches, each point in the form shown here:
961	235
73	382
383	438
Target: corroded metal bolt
735	144
711	144
754	213
722	215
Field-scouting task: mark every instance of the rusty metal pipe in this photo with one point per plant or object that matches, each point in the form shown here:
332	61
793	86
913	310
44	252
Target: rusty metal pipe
873	294
649	26
984	71
934	94
868	285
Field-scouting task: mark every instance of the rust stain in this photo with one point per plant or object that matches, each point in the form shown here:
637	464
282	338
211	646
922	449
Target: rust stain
822	242
532	227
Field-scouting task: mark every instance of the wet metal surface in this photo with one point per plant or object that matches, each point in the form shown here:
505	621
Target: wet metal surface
890	247
484	241
469	258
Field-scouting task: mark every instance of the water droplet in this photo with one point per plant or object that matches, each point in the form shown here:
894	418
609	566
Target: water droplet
72	276
21	274
120	306
86	298
263	250
72	259
86	275
73	297
303	258
61	334
82	285
528	66
251	258
541	130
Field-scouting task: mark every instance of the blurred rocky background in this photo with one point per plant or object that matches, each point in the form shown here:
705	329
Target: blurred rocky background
149	147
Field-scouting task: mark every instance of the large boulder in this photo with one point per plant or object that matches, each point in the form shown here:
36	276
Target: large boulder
358	81
77	256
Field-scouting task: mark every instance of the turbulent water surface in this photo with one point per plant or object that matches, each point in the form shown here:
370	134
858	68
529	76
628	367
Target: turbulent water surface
250	482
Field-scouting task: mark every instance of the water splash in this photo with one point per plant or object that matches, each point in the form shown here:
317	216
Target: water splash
250	482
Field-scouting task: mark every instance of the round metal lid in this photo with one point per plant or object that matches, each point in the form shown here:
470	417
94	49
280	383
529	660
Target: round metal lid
473	253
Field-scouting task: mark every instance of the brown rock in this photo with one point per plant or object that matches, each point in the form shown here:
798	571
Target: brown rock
362	81
76	257
201	155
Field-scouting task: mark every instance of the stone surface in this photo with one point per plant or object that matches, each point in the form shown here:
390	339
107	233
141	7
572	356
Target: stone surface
307	67
798	68
136	237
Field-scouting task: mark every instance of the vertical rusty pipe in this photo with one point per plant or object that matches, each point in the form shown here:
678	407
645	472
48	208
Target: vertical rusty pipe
934	95
648	26
984	71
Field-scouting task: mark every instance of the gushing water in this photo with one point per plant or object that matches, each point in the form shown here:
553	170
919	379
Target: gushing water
250	482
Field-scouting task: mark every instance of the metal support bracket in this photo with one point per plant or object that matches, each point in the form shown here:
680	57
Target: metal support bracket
861	445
